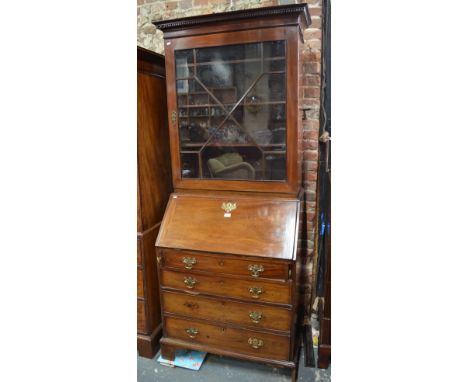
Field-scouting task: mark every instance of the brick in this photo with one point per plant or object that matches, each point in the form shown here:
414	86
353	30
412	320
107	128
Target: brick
171	5
311	92
311	155
316	22
310	195
312	34
311	80
308	56
310	165
313	135
311	125
310	176
311	67
185	4
315	11
313	44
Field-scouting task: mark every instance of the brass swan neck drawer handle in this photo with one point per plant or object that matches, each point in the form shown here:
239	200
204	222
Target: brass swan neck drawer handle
189	262
190	282
256	269
256	292
255	317
255	343
192	332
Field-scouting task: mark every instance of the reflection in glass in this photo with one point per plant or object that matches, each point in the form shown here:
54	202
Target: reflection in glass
232	111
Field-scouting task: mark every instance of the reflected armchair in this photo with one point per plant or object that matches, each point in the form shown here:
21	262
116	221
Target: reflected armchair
230	166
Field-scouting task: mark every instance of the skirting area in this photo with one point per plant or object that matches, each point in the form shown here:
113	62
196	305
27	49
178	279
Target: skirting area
216	369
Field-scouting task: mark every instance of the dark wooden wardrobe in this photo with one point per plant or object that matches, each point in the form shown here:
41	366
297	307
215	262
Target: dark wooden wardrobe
154	185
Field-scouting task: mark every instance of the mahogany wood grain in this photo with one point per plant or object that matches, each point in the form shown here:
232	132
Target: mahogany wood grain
264	228
154	171
153	188
140	288
225	337
141	317
169	345
224	264
275	318
139	259
150	278
275	292
139	222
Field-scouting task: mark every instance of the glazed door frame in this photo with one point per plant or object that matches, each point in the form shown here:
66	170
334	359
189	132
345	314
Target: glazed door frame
287	33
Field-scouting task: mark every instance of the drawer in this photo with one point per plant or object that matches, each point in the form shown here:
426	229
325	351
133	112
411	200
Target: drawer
140	288
252	290
256	268
236	340
239	313
141	317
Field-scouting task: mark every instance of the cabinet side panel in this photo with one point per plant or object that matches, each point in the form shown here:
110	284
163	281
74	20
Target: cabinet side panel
154	165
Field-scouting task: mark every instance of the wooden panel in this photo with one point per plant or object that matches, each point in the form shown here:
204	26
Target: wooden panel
226	311
151	278
277	292
274	346
139	261
141	317
154	165
140	287
223	264
265	228
139	223
154	186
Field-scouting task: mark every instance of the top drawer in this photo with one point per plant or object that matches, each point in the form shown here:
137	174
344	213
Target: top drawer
224	264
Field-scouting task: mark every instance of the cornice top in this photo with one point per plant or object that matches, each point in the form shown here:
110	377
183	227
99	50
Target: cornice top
186	22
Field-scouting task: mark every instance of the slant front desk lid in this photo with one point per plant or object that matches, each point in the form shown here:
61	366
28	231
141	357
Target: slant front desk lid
241	225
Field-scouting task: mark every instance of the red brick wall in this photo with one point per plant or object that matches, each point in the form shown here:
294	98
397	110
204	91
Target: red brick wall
149	38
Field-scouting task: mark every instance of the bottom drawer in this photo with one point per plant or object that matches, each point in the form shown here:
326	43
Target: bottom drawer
235	340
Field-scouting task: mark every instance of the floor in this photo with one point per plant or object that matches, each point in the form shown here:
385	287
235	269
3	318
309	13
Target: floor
216	369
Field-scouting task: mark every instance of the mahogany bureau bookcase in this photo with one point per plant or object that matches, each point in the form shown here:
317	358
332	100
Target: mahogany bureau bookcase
228	261
154	185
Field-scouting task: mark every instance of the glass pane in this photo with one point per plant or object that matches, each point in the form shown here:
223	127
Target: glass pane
184	63
232	111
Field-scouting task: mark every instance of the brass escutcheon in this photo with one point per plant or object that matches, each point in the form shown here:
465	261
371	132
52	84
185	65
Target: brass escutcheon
228	207
255	342
189	262
174	116
192	332
256	269
255	317
255	291
190	282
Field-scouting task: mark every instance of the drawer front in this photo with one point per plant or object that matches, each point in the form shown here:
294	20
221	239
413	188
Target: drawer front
140	288
237	340
224	264
227	311
251	290
141	317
